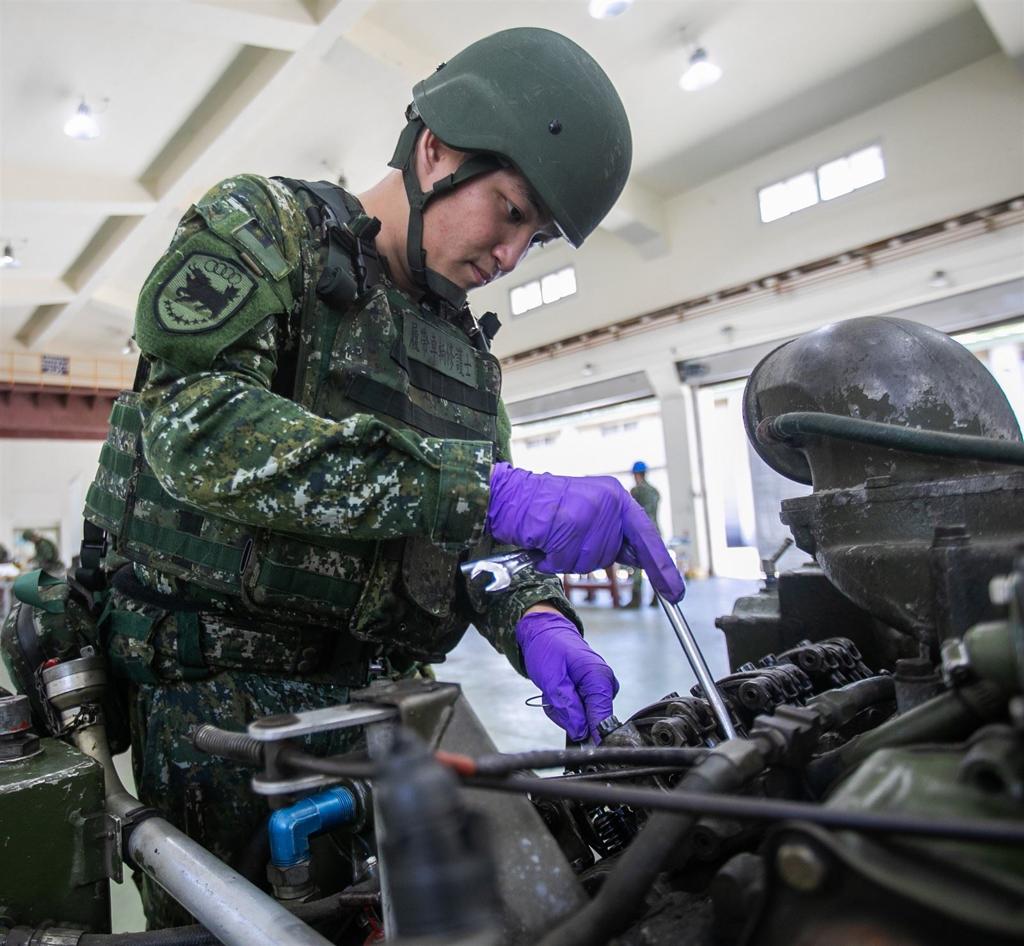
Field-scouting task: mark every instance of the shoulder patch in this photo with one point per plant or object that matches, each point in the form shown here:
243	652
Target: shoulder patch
202	294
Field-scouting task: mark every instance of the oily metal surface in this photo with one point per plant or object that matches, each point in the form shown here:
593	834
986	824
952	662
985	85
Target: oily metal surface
879	369
916	555
48	869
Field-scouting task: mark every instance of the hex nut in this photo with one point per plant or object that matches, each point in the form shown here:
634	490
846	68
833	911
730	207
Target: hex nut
800	866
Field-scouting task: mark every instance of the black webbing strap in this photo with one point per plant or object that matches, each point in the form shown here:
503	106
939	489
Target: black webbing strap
125	582
404	159
141	373
384	400
352	264
489	324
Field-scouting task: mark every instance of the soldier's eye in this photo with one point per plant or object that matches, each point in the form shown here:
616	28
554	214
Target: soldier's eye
514	213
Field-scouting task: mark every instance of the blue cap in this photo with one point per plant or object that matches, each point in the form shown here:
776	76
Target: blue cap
639	467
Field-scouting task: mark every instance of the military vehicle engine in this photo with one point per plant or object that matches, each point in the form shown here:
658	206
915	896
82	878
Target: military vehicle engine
874	791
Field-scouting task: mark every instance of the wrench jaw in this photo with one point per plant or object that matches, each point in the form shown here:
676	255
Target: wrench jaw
500	576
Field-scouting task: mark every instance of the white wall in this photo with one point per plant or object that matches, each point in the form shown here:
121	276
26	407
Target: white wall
950	146
42	483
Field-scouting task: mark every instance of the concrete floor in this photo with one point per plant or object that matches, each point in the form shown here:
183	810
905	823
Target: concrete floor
639	646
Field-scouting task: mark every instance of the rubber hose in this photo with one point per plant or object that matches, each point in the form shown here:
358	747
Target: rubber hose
948	717
841	705
790	427
627	883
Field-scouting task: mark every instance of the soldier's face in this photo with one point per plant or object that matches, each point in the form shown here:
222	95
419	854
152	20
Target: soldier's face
483	228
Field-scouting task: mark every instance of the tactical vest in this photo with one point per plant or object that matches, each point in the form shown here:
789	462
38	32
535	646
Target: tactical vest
364	348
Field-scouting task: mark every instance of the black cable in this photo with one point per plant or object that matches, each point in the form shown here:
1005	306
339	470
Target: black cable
791	427
331	765
987	831
243	748
615	775
502	763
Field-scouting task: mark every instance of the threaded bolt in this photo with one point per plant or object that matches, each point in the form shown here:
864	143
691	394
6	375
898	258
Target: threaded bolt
232	745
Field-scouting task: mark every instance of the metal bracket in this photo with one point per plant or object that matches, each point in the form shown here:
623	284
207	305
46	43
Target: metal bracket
101	846
276	732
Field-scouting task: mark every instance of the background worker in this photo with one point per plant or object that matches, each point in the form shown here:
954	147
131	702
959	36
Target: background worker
648	498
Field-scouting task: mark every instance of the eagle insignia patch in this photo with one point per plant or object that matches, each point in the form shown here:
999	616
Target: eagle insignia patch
202	294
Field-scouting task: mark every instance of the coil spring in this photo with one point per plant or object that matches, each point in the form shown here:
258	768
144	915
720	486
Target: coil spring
610	828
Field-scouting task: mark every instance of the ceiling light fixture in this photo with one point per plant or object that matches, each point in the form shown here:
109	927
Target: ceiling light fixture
82	125
606	9
9	260
701	72
940	280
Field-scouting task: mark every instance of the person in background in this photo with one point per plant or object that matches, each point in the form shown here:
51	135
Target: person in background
648	498
45	554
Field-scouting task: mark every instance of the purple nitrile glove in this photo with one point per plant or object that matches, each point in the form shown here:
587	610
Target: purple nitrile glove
580	523
578	686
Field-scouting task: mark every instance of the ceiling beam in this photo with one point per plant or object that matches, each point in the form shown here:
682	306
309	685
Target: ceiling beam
285	25
258	81
1006	20
60	190
638	218
17	289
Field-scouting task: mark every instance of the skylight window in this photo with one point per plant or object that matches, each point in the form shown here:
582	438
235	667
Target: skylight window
832	179
543	291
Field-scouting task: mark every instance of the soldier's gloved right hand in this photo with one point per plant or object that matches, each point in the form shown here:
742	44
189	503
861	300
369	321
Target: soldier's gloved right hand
581	523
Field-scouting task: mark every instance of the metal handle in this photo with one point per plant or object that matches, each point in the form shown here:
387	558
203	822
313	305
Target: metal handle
699	665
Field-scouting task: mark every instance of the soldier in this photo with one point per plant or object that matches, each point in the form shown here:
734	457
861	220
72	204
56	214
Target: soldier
648	498
44	553
323	439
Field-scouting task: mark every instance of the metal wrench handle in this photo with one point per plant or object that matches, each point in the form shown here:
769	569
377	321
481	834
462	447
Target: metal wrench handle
699	665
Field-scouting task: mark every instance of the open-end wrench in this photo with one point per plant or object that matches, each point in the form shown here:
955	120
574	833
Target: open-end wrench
500	567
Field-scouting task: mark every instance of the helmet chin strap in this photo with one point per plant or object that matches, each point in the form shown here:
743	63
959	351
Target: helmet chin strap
404	160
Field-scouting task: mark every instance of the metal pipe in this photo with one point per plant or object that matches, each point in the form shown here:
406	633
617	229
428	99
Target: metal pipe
234	910
699	665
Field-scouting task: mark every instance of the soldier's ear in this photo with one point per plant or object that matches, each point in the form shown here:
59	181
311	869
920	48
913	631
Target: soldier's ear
434	159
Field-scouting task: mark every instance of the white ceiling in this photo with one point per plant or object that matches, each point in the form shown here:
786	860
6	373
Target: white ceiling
317	88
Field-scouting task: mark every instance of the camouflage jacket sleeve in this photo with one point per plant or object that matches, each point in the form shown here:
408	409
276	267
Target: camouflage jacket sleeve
211	319
496	615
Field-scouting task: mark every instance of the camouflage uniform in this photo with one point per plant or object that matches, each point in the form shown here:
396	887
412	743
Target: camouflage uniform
294	487
45	554
648	497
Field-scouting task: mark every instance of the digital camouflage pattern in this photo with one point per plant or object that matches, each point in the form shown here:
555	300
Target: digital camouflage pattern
648	498
333	490
209	798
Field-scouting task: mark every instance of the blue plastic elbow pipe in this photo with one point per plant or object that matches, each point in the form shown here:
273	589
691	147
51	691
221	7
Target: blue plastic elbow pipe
290	828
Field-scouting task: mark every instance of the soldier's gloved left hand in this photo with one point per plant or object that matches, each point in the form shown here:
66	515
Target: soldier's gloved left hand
577	685
580	523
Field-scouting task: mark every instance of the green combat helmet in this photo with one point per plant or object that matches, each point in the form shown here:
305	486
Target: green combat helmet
532	99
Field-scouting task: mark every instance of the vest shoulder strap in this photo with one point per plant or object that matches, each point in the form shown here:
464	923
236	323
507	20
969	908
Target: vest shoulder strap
352	265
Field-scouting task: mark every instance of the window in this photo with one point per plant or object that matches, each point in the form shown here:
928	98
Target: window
543	291
545	440
612	430
832	179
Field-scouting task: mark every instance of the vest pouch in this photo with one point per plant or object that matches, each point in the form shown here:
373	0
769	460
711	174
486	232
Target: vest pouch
291	577
429	576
